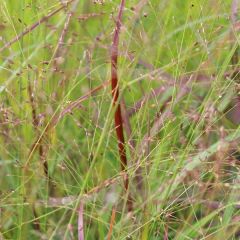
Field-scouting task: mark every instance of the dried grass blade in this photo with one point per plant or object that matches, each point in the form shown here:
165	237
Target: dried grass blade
80	222
113	216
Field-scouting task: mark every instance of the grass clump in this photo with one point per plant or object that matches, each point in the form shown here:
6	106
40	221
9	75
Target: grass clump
119	120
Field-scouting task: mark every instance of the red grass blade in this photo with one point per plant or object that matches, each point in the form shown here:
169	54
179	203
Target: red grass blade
115	94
